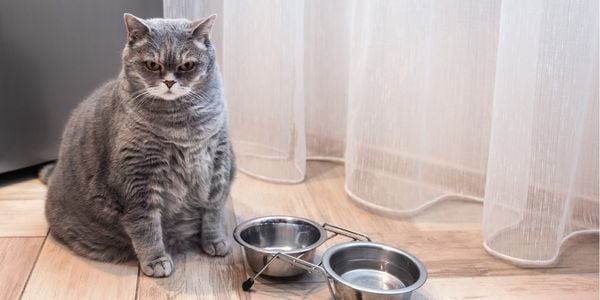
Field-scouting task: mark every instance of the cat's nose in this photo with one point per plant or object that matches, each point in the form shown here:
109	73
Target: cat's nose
169	83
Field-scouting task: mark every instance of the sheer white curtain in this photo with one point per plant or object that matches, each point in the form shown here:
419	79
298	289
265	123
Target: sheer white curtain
493	101
542	177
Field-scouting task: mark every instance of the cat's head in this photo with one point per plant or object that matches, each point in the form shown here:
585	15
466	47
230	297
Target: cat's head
167	58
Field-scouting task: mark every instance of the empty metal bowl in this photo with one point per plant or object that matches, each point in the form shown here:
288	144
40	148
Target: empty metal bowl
367	270
265	236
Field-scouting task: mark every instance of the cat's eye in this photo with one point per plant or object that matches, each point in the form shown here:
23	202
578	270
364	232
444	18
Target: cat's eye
152	66
188	66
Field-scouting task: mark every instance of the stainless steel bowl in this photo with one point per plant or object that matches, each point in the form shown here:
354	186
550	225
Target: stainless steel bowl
263	237
367	270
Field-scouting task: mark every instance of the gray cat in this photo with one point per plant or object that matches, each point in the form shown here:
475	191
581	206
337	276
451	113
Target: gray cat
146	164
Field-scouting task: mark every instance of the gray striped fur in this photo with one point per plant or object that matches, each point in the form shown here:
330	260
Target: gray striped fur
139	175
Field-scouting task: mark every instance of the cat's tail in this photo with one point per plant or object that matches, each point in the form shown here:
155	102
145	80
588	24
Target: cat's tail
46	172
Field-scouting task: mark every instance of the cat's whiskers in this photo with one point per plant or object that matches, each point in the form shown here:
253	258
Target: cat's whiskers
140	97
139	94
200	95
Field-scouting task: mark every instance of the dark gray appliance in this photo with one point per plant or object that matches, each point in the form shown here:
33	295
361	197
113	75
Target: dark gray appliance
53	53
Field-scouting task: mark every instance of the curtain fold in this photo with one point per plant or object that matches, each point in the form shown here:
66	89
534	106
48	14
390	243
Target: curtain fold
493	101
263	54
420	95
542	178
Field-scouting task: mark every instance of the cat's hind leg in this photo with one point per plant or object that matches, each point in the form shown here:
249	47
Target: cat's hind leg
109	249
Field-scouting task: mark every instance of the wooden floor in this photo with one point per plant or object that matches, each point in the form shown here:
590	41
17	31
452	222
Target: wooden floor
447	238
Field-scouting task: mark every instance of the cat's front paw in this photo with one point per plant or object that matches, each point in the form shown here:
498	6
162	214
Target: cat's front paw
160	267
217	247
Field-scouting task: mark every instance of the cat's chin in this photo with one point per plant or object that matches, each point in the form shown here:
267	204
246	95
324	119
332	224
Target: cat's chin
169	96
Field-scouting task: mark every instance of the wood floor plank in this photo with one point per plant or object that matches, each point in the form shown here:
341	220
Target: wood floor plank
450	215
320	198
20	218
325	182
255	198
27	189
542	287
307	286
17	256
292	290
60	274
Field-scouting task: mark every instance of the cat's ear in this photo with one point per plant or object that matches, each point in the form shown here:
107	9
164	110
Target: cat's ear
136	28
201	28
